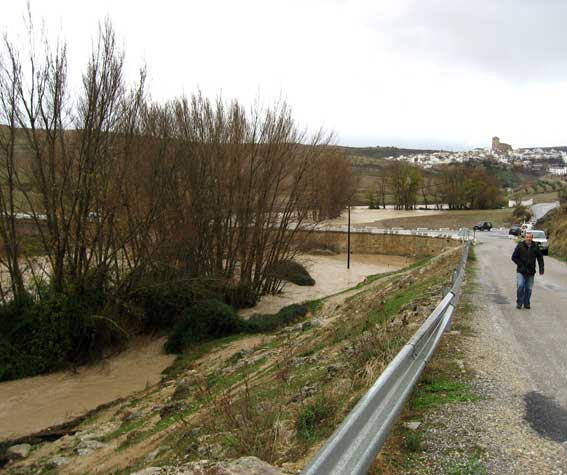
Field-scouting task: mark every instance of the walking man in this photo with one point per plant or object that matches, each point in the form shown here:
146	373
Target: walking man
525	256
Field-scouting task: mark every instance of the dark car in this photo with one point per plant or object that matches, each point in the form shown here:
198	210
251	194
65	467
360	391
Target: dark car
482	226
515	230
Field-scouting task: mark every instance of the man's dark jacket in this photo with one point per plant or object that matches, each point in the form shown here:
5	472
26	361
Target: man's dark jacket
525	257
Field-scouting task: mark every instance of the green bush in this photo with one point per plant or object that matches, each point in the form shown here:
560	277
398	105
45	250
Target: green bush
240	296
205	320
291	271
270	322
62	327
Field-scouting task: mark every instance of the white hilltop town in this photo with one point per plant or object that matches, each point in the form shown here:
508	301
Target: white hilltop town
543	160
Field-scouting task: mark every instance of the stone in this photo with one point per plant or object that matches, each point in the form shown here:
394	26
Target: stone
149	471
88	446
246	466
18	452
182	390
412	425
153	455
170	409
57	462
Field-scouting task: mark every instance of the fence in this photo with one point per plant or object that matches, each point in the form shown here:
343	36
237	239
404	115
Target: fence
353	447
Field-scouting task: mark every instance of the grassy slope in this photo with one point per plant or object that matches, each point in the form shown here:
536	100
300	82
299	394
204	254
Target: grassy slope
555	226
453	219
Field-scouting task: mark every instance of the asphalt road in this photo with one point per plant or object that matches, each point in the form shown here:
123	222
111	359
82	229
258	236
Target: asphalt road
541	209
537	337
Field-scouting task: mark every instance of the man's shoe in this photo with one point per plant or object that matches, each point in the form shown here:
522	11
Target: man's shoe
527	306
519	306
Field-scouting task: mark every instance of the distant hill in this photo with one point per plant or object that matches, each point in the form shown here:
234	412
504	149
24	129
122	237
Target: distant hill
383	152
561	148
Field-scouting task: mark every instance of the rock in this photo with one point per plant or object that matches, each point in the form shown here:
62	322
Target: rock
412	425
18	452
131	416
149	471
246	466
182	390
88	446
57	462
306	391
153	455
170	409
332	370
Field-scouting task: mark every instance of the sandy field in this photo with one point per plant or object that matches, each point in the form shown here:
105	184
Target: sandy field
363	215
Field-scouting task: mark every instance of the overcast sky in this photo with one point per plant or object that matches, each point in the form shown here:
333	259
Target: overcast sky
417	73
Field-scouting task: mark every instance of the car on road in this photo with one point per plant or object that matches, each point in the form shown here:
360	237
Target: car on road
515	230
483	226
541	240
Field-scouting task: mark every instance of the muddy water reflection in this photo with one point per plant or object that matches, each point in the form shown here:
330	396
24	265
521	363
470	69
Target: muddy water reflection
331	276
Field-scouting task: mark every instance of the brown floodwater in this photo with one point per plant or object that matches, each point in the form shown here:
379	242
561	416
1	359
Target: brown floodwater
32	404
331	276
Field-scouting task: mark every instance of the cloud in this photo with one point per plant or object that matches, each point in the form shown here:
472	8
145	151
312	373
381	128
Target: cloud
519	40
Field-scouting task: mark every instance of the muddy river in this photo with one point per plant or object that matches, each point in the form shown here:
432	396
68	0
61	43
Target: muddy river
32	404
331	276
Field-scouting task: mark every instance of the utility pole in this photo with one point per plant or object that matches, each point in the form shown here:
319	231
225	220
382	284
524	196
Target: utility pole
348	240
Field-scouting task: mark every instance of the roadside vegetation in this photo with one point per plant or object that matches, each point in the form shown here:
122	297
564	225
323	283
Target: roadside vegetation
120	215
445	381
554	224
453	219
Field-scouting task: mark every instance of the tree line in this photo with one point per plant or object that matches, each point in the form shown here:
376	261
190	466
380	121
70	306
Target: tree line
123	195
405	186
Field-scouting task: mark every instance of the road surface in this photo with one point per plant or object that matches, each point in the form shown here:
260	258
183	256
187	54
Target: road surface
541	209
537	337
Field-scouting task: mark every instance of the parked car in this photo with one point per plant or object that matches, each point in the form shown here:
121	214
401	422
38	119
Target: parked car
541	240
515	230
482	226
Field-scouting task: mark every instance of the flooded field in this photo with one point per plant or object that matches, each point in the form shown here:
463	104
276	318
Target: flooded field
331	276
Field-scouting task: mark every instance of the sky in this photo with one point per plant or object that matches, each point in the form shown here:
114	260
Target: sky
444	74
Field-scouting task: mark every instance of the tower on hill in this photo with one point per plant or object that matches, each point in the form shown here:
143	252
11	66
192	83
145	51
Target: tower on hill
500	147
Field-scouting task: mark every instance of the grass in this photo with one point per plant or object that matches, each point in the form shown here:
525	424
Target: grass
183	361
310	420
433	392
443	382
473	465
453	219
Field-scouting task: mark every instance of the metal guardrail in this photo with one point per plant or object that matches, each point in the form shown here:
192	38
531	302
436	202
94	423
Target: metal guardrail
353	447
460	234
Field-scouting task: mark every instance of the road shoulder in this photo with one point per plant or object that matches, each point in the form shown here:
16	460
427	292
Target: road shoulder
481	428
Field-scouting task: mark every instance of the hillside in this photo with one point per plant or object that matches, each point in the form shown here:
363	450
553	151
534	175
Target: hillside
554	224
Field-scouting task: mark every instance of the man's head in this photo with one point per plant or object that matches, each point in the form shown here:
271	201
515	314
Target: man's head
529	238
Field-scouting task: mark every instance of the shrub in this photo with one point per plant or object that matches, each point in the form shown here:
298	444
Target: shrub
240	296
61	328
521	213
204	320
270	322
311	416
291	271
